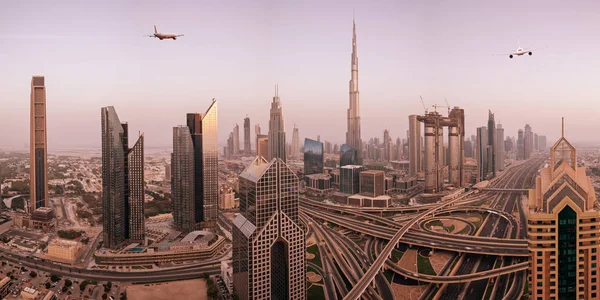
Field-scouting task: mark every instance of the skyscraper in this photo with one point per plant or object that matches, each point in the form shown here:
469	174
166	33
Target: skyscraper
348	156
520	145
247	147
562	229
353	134
295	143
262	146
182	182
491	144
528	142
122	182
499	147
481	152
314	162
236	139
414	145
276	129
542	143
535	143
267	237
38	152
203	129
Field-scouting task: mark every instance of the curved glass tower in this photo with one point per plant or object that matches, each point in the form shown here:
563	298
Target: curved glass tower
313	157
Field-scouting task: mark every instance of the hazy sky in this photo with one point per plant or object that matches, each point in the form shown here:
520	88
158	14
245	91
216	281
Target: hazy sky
92	54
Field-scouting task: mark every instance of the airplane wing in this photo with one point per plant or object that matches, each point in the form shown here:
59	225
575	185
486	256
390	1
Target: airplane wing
511	53
180	35
148	35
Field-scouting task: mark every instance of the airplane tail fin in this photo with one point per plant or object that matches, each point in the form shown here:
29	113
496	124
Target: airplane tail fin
155	31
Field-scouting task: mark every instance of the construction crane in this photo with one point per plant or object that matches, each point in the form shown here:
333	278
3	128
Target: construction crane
423	102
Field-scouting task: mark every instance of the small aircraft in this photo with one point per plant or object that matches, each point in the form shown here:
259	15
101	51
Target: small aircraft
519	52
162	36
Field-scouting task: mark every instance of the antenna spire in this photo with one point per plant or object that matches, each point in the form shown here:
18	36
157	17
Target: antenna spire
563	127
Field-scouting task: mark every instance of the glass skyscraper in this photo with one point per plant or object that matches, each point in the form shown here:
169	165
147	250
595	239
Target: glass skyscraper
122	182
38	166
313	157
182	179
348	156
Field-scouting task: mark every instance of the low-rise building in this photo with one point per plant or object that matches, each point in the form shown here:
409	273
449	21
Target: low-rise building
64	249
360	200
319	184
226	198
4	286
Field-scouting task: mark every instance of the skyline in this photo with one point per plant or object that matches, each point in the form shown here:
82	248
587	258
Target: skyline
305	49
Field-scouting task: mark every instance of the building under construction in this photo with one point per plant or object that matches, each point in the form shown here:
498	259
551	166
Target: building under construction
434	161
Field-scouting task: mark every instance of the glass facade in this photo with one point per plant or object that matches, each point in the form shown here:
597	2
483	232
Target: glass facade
567	254
313	157
122	182
350	179
113	178
182	179
348	156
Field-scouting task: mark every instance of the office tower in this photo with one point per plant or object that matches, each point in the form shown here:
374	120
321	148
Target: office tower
542	143
520	145
38	147
262	145
456	146
247	147
353	134
499	147
314	162
328	148
182	183
350	179
414	145
508	144
562	229
482	140
276	129
372	183
468	148
122	182
336	148
203	128
535	143
168	172
348	156
387	144
236	139
318	137
295	143
268	241
492	149
528	142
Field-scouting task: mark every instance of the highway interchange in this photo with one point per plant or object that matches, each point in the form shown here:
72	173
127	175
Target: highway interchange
495	253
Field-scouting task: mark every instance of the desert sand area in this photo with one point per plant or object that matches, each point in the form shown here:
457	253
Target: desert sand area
194	289
408	292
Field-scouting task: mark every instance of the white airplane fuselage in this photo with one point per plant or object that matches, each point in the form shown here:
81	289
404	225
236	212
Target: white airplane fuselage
520	52
163	36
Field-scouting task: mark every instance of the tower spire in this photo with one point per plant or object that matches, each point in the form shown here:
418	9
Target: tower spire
563	126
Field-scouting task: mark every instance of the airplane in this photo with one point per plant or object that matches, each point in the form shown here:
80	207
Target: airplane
519	52
162	36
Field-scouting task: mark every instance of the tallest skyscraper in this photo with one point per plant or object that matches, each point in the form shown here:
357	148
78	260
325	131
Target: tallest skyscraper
38	175
353	134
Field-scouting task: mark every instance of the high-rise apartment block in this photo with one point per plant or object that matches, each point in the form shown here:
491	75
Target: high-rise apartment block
122	182
295	153
203	129
38	152
262	145
528	142
372	183
276	129
268	242
182	182
414	145
236	139
520	145
563	223
482	153
491	145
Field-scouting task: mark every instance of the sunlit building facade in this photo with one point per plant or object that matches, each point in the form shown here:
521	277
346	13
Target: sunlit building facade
182	182
563	229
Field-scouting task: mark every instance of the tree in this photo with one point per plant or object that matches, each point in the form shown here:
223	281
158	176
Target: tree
65	288
48	285
124	297
68	283
104	296
212	291
33	274
54	278
206	276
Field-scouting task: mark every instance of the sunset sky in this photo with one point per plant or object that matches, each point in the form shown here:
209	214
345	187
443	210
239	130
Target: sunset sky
93	54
